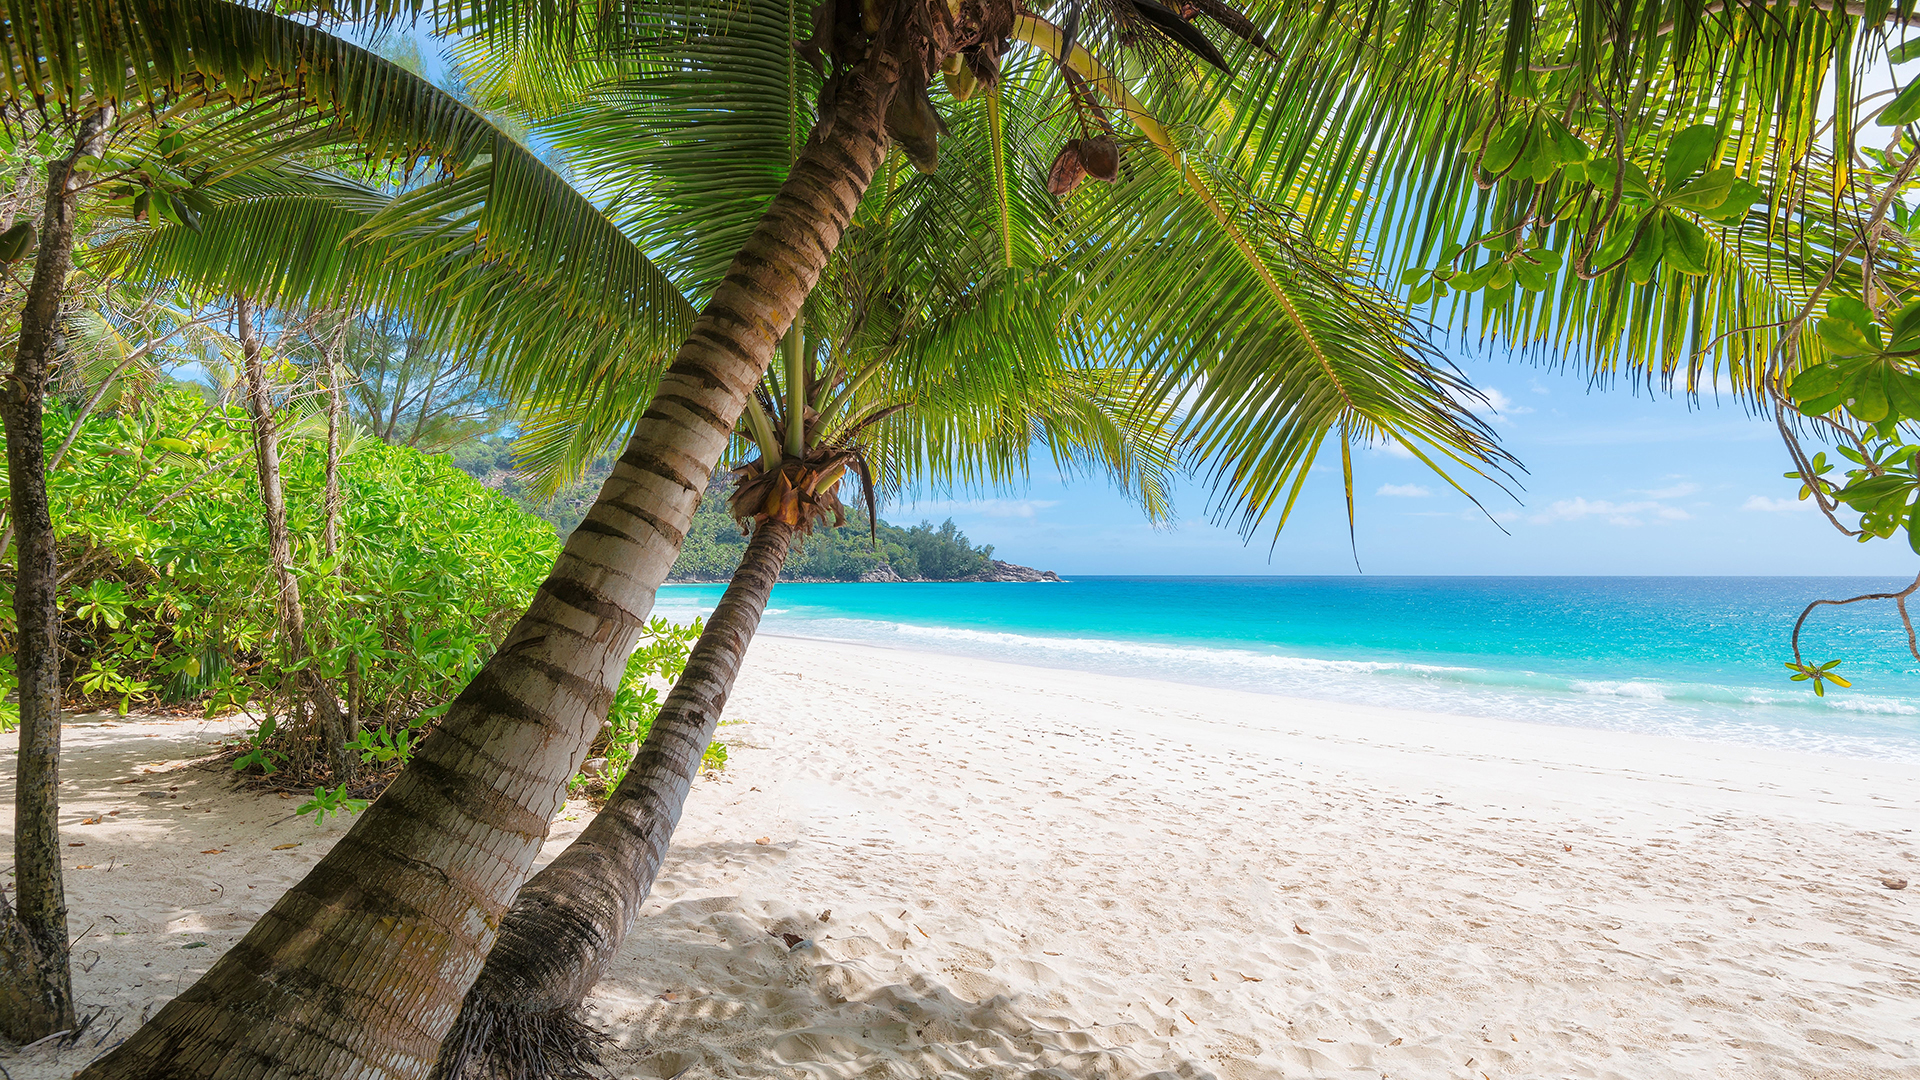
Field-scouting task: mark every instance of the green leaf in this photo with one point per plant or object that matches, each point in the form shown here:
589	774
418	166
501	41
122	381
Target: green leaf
1869	402
1814	382
1904	53
1822	405
1903	391
1688	152
1646	254
1686	246
1530	276
1478	279
1842	338
1566	145
1906	328
1503	149
1853	310
1903	108
1709	192
1619	235
1633	182
1542	158
1739	197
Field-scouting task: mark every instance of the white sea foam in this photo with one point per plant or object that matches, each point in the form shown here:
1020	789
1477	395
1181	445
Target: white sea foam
1645	706
1642	690
1872	725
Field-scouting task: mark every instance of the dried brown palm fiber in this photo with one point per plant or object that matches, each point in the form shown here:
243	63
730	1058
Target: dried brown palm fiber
520	1046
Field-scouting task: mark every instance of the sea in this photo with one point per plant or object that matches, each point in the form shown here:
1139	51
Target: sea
1700	657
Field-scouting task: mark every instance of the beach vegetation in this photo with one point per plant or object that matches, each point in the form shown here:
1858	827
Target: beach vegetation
171	604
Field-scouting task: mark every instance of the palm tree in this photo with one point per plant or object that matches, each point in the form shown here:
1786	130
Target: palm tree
889	380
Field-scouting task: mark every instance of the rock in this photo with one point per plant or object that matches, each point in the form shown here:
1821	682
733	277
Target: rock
998	570
1894	882
882	573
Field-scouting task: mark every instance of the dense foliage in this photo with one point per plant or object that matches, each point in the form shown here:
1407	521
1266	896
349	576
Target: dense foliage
169	600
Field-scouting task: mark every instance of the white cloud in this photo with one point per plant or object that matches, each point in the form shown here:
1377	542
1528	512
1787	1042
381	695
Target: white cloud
1581	507
1403	491
1624	514
1498	404
1392	448
1675	491
998	508
1775	506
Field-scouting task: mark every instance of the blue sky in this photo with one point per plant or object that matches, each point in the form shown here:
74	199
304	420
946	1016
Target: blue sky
1616	484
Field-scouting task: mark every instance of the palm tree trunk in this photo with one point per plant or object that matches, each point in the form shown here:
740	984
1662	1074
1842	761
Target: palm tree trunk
360	969
36	983
569	920
273	501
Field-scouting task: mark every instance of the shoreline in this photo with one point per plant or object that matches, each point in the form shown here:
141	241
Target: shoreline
876	581
1619	713
999	869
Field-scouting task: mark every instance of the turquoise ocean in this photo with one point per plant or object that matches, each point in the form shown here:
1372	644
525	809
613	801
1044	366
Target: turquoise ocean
1690	656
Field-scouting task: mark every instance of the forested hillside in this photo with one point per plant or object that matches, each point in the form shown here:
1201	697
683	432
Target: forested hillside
850	552
925	552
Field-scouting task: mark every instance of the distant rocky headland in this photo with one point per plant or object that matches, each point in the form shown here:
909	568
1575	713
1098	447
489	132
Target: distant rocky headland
995	570
855	551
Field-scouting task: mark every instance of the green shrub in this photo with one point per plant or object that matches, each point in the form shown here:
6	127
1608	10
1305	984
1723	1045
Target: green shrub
169	600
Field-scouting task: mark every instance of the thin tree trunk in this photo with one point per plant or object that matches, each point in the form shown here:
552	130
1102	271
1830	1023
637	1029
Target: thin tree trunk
273	502
336	408
567	923
9	210
343	763
360	969
36	983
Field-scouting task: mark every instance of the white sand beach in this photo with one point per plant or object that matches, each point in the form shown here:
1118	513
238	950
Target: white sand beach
1004	871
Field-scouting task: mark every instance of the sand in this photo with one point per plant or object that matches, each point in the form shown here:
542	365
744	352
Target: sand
1009	871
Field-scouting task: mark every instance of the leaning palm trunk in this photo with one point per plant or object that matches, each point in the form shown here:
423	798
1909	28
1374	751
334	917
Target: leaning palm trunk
567	923
360	969
36	983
